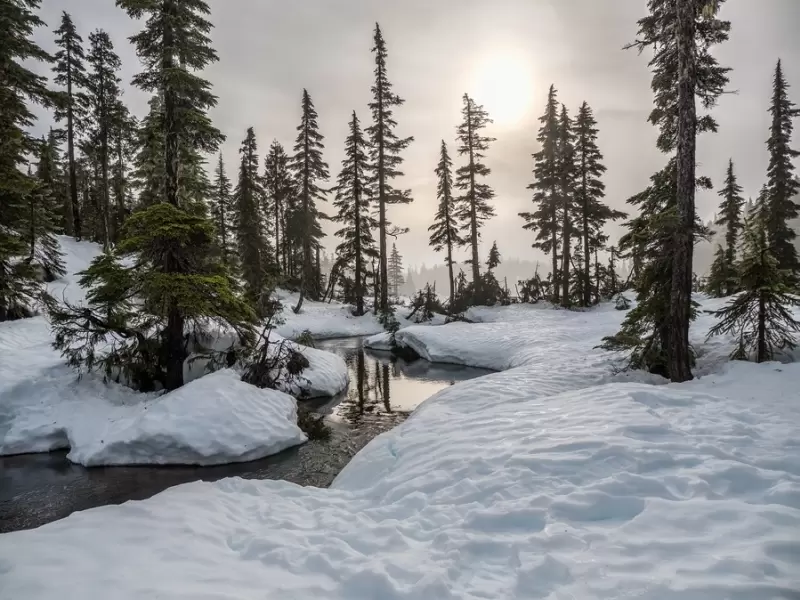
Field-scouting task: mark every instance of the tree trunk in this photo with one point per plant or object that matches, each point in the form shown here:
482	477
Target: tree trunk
171	135
450	276
278	202
73	176
554	240
359	264
761	354
473	217
105	195
587	286
383	257
680	299
565	255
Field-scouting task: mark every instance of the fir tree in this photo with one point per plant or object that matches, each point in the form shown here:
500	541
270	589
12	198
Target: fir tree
279	186
661	237
494	258
590	190
148	174
222	212
567	200
721	277
19	87
782	184
254	255
309	169
386	148
473	205
103	95
544	220
123	139
353	201
71	74
395	271
760	317
445	230
730	217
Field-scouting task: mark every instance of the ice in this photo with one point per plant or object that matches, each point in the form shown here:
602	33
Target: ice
552	479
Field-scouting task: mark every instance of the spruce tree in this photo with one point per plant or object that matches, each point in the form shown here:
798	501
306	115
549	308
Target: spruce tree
279	186
71	75
590	190
721	277
254	254
385	154
730	217
473	205
148	173
656	331
544	220
353	201
494	258
103	96
395	271
445	229
19	87
568	207
782	183
309	170
123	139
760	317
222	213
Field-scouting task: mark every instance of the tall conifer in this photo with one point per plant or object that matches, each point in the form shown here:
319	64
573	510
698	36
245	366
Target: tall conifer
222	213
730	217
445	229
279	187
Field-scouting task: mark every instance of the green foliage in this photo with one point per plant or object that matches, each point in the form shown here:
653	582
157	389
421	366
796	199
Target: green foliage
445	229
396	278
306	338
425	305
494	259
721	277
730	217
760	316
279	188
222	213
164	263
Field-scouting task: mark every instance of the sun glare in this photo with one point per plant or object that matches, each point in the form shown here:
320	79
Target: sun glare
503	84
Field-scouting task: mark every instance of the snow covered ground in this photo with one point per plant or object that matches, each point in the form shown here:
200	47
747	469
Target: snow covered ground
552	479
214	419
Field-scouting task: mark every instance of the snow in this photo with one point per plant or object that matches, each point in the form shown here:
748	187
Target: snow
214	419
553	479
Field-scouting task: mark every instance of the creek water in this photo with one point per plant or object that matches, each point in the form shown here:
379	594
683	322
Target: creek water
38	488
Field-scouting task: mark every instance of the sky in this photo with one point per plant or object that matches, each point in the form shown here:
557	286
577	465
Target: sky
504	53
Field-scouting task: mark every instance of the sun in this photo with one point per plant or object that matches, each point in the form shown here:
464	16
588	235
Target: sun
503	83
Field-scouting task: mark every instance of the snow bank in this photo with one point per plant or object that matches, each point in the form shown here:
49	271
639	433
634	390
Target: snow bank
493	489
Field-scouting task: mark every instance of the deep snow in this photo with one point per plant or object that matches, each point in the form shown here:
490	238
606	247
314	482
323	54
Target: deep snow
212	420
535	482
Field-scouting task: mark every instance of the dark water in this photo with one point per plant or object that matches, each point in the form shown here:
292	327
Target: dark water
38	488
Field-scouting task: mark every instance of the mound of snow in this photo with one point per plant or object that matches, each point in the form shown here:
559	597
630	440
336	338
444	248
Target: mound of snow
493	489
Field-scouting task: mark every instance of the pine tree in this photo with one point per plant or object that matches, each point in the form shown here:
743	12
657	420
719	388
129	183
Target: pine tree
473	205
544	221
164	264
385	154
309	169
353	200
730	217
254	254
720	277
660	238
445	230
395	271
222	213
494	258
71	74
279	187
19	87
590	190
782	184
568	209
103	96
761	315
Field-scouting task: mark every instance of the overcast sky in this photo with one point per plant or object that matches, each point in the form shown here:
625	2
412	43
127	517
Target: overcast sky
504	53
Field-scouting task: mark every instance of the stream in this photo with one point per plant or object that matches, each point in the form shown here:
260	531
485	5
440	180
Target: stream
39	488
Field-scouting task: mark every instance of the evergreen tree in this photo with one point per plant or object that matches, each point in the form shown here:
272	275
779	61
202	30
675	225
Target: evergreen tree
385	154
445	231
782	184
122	141
103	95
494	258
222	213
309	169
544	221
473	205
590	190
730	217
71	74
19	86
148	174
720	277
42	214
395	271
761	315
353	201
279	185
655	332
567	184
254	254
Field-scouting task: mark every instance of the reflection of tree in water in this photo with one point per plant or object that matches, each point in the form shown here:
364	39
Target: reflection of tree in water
369	394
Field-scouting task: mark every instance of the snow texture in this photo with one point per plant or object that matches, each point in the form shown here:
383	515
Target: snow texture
213	419
552	479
